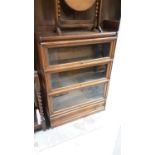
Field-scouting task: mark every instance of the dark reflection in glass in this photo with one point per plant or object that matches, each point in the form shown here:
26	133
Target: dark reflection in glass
63	79
76	53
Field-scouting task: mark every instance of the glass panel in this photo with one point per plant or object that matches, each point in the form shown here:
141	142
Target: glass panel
63	79
71	54
77	97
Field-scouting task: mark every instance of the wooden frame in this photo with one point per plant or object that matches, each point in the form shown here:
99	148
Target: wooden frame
87	35
73	42
77	23
76	86
77	65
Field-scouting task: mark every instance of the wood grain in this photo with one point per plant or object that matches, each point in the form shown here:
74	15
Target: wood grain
77	65
77	86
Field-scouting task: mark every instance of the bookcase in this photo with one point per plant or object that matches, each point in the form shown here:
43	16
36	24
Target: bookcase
74	56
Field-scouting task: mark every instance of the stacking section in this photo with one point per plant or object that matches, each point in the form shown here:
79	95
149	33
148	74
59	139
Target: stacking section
75	75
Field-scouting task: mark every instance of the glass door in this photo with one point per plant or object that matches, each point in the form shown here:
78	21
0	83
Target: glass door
77	97
63	55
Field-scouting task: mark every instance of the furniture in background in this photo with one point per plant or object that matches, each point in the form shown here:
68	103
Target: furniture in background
39	118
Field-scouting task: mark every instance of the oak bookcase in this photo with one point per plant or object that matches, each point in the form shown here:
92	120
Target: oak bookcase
74	56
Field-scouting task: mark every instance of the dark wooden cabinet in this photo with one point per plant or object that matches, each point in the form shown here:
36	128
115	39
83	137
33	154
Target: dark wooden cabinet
74	64
39	117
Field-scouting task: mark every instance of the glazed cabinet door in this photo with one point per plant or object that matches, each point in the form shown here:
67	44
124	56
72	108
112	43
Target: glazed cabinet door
71	54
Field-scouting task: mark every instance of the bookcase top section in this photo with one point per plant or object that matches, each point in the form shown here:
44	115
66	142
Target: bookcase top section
51	36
